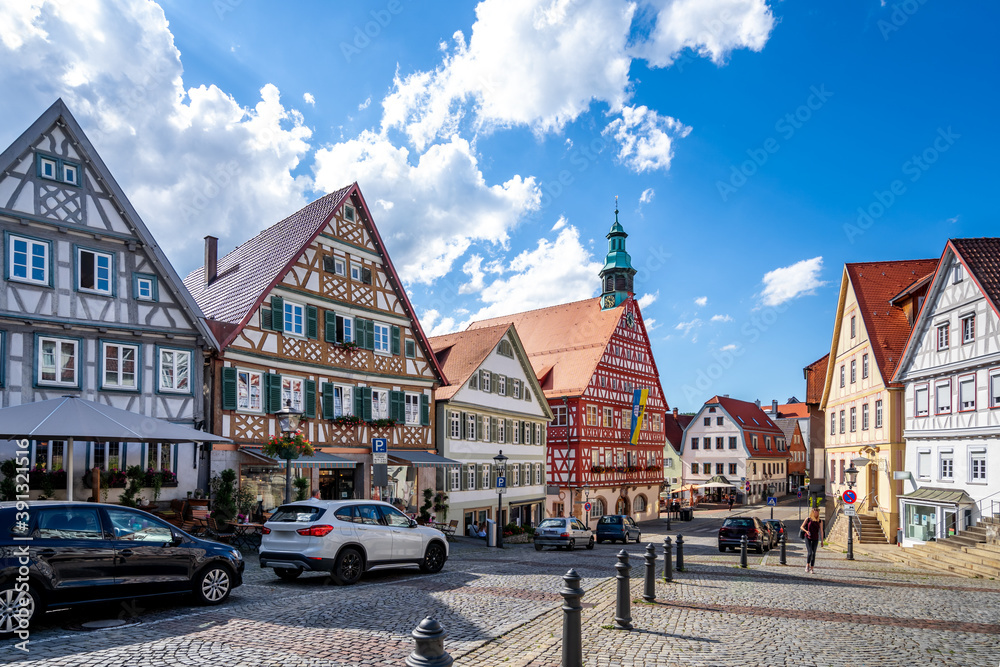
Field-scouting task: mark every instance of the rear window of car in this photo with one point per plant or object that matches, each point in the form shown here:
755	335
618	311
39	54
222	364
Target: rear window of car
297	514
552	523
737	523
611	520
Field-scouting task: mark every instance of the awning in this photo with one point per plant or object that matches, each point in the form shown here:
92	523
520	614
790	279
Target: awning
419	459
944	496
514	502
258	455
320	460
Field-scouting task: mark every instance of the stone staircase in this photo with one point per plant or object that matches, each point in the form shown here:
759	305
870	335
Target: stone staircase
871	530
969	553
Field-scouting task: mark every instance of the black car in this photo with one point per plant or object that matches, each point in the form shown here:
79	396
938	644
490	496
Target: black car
778	528
65	554
734	528
616	527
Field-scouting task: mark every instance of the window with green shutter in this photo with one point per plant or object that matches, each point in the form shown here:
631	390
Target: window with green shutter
329	326
310	398
397	406
277	313
359	402
425	410
328	400
395	340
366	403
265	318
312	323
272	387
410	348
228	388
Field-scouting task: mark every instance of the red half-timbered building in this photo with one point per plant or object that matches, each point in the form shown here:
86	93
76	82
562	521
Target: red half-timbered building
589	356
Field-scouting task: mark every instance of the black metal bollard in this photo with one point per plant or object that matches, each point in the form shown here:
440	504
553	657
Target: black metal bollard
668	560
743	551
680	553
784	541
572	640
649	591
429	636
623	605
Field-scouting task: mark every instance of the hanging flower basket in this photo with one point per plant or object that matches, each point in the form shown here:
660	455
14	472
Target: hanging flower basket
383	423
348	420
289	447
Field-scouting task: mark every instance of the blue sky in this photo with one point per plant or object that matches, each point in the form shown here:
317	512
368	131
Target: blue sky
742	138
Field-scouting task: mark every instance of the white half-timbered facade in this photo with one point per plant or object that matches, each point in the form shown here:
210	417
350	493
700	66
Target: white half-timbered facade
91	307
951	373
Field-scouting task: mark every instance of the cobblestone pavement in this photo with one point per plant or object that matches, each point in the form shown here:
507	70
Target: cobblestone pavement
502	608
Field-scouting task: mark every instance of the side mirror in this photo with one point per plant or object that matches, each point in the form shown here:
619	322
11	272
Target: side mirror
176	540
413	523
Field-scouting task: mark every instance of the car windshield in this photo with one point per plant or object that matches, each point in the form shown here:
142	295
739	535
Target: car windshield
611	520
297	514
738	523
552	523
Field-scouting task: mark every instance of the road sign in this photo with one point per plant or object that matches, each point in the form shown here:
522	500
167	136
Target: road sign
850	497
380	445
799	495
380	458
772	501
849	510
748	487
586	507
501	482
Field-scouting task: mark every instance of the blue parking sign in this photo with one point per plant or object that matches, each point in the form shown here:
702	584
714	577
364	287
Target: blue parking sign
380	445
501	482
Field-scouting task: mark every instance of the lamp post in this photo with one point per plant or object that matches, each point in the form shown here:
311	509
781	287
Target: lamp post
288	422
586	499
770	494
501	463
669	502
852	477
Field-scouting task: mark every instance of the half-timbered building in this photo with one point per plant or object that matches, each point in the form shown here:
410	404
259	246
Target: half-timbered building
91	307
951	372
311	314
589	357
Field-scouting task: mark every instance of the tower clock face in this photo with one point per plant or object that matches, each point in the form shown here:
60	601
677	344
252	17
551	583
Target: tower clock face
630	320
609	300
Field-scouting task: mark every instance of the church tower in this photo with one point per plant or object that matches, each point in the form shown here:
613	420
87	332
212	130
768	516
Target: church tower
617	274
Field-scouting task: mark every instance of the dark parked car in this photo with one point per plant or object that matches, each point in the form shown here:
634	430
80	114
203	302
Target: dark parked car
616	527
778	528
734	528
65	554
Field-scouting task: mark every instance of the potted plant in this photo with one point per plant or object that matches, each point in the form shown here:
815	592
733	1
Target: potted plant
441	505
133	485
224	495
301	488
425	509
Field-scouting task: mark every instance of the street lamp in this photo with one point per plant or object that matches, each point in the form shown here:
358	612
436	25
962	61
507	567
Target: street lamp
501	463
852	477
586	499
669	502
288	422
770	494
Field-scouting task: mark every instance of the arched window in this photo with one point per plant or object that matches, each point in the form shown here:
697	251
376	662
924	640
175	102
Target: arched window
597	508
609	284
639	504
619	283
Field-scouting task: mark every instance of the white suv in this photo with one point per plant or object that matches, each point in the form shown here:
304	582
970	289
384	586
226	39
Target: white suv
347	538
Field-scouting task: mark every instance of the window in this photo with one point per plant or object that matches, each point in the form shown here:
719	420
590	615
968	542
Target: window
175	371
292	393
920	402
382	333
878	413
626	419
145	288
119	366
516	477
486	476
380	403
455	478
505	348
343	401
694	443
356	272
719	421
864	417
609	417
470	427
864	365
487	381
719	468
942	397
455	425
958	274
410	349
486	428
591	415
854	371
58	362
106	455
842	420
93	271
947	465
708	421
720	443
502	385
76	523
343	328
248	393
538	434
158	456
694	468
412	409
854	419
294	319
558	415
527	433
968	328
767	442
833	423
48	167
732	442
854	327
57	169
995	389
755	448
842	376
732	468
967	393
339	266
942	337
977	465
28	260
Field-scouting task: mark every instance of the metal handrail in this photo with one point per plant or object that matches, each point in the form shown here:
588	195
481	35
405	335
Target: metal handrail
880	515
992	502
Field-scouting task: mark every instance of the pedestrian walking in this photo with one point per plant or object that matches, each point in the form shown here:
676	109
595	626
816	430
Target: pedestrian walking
812	530
731	499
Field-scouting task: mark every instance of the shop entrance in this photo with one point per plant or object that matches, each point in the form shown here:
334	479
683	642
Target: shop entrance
621	507
336	484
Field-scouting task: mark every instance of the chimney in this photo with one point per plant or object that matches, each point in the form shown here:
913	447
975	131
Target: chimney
774	406
211	259
675	413
757	402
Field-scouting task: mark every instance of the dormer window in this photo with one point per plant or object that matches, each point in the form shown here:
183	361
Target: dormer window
349	213
958	273
56	169
505	348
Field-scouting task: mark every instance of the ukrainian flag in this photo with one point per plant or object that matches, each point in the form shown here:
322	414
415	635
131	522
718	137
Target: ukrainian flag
639	397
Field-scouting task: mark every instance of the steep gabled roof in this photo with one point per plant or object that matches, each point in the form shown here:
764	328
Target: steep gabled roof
787	426
747	415
248	273
461	354
673	428
60	113
563	342
815	377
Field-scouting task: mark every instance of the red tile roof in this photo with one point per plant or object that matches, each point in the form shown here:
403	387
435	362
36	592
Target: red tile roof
875	283
795	410
674	427
982	259
751	418
564	341
815	376
461	354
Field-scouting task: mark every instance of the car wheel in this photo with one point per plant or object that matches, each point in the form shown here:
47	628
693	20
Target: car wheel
349	567
590	545
12	602
287	573
538	547
638	538
433	558
571	545
213	585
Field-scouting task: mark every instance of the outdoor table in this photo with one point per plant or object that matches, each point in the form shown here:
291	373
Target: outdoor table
244	534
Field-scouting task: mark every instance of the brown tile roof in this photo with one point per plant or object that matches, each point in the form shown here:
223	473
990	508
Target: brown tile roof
674	427
746	414
794	410
248	272
815	376
875	283
563	342
982	258
461	353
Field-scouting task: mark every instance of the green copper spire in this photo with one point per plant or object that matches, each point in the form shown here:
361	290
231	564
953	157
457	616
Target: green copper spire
617	274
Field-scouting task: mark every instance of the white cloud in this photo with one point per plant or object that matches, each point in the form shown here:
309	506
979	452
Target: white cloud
309	99
560	223
701	301
439	206
434	325
647	196
648	299
645	138
228	168
729	348
364	105
651	324
786	283
687	327
473	268
721	318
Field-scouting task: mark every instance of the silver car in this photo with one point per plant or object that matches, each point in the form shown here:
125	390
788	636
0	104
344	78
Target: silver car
565	532
347	538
